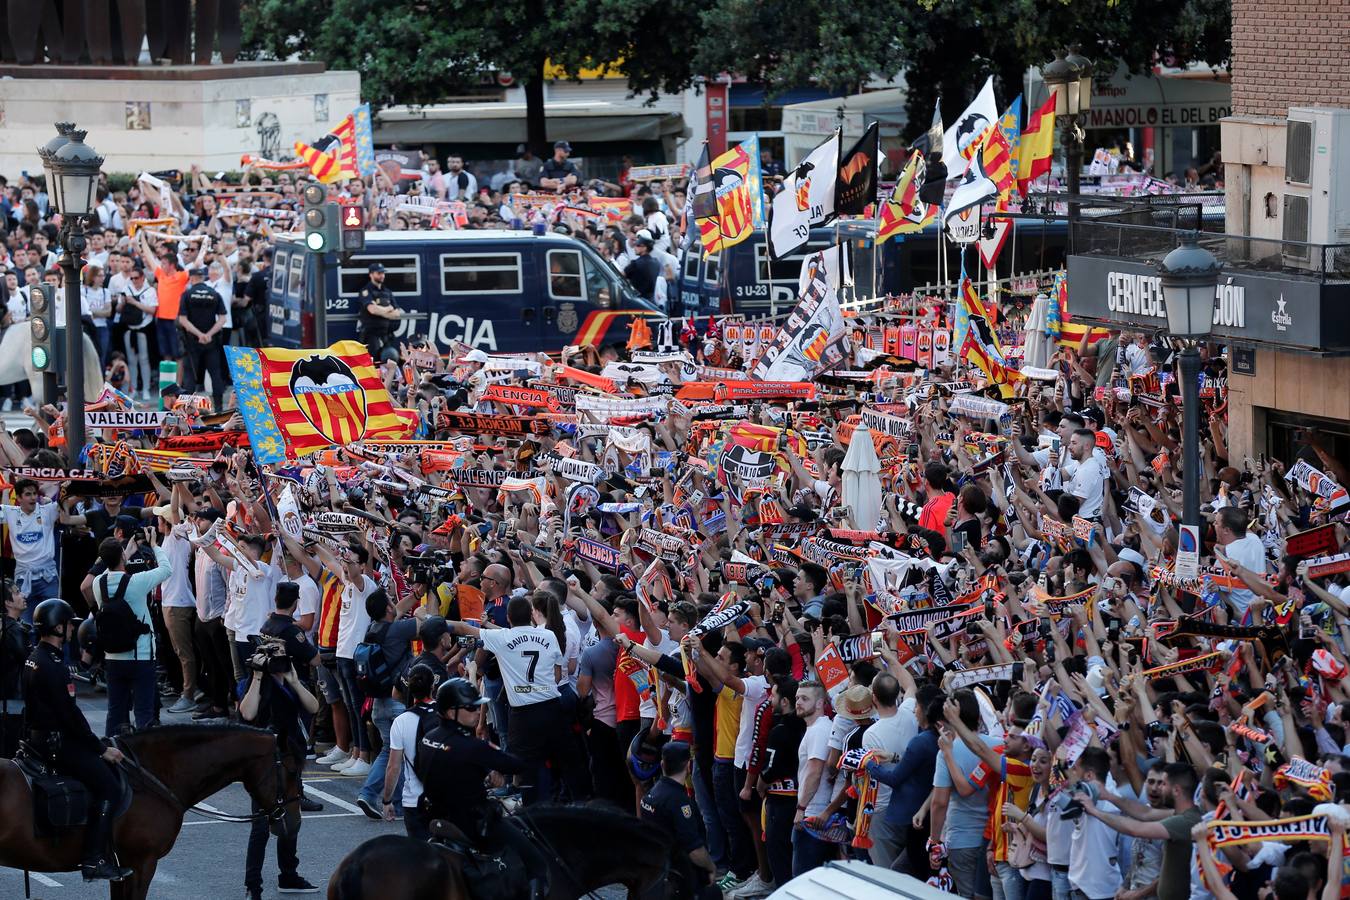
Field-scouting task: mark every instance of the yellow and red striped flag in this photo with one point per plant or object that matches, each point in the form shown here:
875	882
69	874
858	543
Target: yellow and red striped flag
296	402
997	163
904	212
323	166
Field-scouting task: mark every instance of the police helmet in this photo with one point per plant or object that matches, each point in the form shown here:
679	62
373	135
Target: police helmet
458	693
87	633
52	616
644	754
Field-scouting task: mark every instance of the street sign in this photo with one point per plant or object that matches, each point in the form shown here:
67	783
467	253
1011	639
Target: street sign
353	227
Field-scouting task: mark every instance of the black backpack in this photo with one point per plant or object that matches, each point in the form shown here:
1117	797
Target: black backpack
375	673
118	626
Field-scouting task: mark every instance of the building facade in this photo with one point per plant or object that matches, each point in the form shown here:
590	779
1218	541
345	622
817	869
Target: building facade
1289	54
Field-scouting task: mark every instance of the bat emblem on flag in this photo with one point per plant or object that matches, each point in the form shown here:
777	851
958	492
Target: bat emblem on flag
330	398
804	194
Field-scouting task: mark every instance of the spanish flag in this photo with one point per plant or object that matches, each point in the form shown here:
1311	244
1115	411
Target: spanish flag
1037	145
296	402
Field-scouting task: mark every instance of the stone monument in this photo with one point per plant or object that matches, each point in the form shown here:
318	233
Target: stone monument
82	60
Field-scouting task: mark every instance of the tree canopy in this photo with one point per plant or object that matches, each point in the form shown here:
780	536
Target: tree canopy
418	52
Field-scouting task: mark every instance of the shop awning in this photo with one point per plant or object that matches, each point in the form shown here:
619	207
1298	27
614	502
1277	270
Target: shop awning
504	123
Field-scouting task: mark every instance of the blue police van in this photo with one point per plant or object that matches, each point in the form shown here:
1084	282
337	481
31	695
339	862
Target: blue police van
498	291
747	281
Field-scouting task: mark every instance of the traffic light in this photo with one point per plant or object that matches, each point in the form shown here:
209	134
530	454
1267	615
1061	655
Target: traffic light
353	228
41	308
321	220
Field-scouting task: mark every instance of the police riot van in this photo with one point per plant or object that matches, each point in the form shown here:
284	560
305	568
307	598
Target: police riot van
745	280
498	291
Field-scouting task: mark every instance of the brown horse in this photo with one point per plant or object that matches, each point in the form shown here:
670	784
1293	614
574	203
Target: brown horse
179	766
589	846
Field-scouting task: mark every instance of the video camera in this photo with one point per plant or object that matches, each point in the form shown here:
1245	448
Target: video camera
430	568
270	657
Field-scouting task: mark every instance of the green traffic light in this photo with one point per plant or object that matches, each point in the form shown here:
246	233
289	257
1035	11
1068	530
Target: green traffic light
314	240
40	358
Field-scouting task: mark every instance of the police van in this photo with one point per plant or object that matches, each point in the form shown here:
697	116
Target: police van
498	291
746	280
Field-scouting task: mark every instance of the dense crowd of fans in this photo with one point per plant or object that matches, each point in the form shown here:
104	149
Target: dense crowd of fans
1000	682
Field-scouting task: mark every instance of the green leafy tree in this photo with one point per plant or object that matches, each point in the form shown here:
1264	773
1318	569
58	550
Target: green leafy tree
419	52
948	48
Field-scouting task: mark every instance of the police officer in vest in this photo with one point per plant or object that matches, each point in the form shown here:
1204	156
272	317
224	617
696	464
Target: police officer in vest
59	733
670	804
452	765
377	316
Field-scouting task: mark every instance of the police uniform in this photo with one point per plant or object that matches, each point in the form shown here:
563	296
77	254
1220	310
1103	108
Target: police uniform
668	804
60	734
374	331
451	764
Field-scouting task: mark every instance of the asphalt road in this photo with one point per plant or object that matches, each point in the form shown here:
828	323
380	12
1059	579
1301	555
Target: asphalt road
208	860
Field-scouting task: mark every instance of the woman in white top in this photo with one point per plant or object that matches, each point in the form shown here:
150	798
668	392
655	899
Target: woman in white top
136	311
222	284
96	307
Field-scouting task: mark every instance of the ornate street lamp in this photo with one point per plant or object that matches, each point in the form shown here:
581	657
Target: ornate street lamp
72	168
1189	276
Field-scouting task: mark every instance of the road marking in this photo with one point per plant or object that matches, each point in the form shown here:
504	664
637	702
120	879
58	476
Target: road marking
307	817
209	808
336	801
44	880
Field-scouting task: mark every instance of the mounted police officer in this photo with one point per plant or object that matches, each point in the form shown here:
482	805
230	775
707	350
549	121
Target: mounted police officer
58	732
377	315
453	764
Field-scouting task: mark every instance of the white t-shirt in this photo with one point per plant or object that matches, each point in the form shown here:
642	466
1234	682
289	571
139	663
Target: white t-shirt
647	708
252	598
1250	553
893	736
177	591
756	687
309	601
816	745
526	655
32	535
1089	485
571	653
403	737
1094	855
353	621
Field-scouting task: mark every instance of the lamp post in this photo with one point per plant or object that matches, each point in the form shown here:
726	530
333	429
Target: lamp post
1069	75
72	169
1189	276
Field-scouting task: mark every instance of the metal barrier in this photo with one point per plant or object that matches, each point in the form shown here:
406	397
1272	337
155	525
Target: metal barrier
1131	240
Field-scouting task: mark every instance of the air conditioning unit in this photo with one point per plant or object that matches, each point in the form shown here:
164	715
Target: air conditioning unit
1316	182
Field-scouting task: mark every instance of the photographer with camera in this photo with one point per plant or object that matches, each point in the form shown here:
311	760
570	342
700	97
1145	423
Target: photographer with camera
384	684
278	700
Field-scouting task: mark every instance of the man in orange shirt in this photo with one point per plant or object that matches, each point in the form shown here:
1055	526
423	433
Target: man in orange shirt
940	497
170	282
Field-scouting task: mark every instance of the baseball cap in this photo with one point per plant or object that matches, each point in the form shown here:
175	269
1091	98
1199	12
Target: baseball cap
562	145
1129	554
127	523
375	267
197	272
432	630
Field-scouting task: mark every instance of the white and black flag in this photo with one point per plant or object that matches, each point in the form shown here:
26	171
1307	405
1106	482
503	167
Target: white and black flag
806	200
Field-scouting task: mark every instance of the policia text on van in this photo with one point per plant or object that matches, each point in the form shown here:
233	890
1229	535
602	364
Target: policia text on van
500	291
